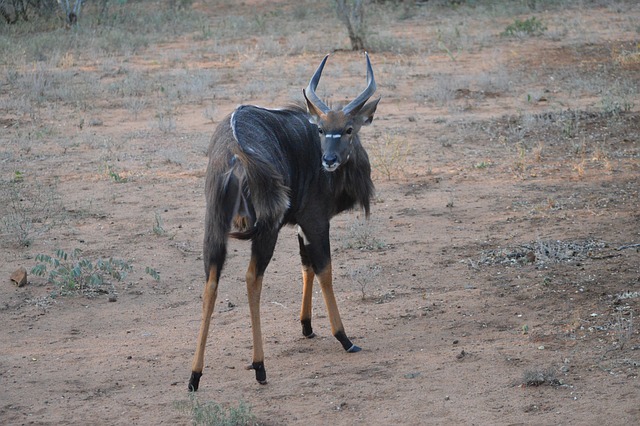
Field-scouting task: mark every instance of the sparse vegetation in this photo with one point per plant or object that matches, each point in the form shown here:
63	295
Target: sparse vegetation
210	413
29	209
624	327
116	176
482	165
619	98
543	252
362	235
540	377
363	276
443	47
71	273
389	155
166	122
529	27
158	225
24	10
152	273
576	136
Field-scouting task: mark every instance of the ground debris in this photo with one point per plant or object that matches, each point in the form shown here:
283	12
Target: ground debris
542	252
628	246
19	276
540	377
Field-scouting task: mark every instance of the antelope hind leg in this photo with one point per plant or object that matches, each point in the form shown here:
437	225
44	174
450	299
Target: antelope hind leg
254	289
208	302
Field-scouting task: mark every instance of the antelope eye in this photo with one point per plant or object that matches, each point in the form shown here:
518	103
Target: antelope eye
349	130
320	130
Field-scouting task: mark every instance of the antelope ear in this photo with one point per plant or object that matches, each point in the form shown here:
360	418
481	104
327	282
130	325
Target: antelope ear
315	113
364	116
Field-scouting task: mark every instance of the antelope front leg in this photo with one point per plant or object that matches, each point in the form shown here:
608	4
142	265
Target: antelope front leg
326	282
208	302
254	289
307	287
307	294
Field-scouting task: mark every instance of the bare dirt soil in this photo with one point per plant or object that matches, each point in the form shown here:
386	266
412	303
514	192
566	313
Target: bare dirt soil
497	281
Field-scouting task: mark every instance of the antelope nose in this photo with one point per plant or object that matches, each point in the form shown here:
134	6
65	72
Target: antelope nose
329	159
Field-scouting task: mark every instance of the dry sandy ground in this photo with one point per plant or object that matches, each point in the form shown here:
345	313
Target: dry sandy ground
492	284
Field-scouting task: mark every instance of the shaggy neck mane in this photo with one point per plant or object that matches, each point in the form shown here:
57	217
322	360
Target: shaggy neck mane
352	183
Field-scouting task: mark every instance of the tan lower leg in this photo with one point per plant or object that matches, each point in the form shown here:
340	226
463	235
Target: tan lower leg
334	316
307	300
208	302
326	282
254	289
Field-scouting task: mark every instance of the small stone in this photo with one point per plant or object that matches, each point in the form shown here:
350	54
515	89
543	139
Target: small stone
19	276
531	257
113	298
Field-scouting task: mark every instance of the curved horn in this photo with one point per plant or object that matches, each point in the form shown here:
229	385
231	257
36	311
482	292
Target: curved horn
358	102
310	91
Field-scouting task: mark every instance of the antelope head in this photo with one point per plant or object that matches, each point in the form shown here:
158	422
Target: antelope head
338	128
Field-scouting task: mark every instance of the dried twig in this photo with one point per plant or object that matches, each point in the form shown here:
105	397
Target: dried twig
628	246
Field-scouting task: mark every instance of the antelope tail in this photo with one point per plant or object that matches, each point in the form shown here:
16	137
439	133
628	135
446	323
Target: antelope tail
262	197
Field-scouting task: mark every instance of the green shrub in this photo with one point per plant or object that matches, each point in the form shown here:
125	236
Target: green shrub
72	273
212	414
529	27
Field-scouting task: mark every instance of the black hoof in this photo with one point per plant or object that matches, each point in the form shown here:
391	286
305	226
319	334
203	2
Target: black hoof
346	343
194	381
307	331
261	373
354	348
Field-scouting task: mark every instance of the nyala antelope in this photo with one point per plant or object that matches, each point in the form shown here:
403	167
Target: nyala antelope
270	168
